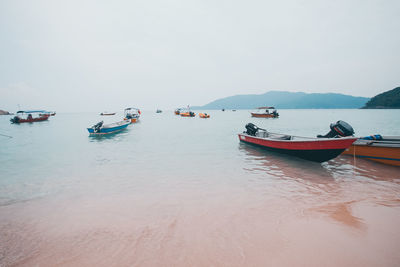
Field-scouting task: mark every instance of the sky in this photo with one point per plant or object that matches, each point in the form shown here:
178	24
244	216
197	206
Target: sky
107	55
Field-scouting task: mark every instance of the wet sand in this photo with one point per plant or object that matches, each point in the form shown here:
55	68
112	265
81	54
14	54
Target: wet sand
280	212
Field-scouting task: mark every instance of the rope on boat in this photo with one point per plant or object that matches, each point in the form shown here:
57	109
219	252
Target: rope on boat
354	160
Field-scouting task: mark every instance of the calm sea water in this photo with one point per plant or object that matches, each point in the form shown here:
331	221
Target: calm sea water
172	191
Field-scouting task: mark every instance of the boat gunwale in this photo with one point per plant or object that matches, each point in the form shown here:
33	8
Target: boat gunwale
378	144
117	124
308	139
386	141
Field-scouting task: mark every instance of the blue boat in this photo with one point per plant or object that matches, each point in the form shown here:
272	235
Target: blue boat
101	128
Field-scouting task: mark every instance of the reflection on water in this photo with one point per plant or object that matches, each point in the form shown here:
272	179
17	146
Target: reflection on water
115	137
331	188
342	213
282	165
343	166
366	168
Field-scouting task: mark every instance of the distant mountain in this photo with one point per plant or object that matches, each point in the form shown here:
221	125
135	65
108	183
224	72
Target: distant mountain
282	99
388	99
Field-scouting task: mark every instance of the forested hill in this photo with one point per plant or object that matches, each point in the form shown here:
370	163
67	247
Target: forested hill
388	99
289	100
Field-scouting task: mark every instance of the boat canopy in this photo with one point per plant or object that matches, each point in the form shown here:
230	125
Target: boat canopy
32	111
266	108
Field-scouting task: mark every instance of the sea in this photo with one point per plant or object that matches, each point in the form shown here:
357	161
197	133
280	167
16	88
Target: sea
175	191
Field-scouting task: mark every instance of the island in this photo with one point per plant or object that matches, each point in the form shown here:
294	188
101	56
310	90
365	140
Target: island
386	100
3	112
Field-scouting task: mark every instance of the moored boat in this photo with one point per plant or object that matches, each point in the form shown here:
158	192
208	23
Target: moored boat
319	149
188	114
265	112
101	128
383	149
132	114
27	116
107	113
204	115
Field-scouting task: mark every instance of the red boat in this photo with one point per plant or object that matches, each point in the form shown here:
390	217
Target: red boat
26	116
264	115
264	112
319	149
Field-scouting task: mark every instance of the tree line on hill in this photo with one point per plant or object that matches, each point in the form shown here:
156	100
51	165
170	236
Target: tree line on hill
300	100
388	99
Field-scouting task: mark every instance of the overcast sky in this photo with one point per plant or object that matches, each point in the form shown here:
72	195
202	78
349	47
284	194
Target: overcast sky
107	55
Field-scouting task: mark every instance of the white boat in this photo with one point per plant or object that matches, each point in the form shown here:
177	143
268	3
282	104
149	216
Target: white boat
132	114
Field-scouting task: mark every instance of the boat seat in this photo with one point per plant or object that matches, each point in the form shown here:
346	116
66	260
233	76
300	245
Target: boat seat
262	134
280	137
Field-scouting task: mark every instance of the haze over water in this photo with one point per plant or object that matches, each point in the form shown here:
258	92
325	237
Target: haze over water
172	191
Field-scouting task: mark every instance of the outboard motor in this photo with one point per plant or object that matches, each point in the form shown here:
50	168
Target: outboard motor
97	127
252	129
338	129
15	119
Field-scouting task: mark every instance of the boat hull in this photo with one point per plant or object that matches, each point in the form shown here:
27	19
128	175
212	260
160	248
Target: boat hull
257	115
42	118
318	150
382	154
187	114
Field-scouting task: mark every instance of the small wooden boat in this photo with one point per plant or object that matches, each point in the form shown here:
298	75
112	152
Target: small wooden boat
204	115
101	128
265	112
107	113
383	149
188	114
26	116
132	114
314	149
